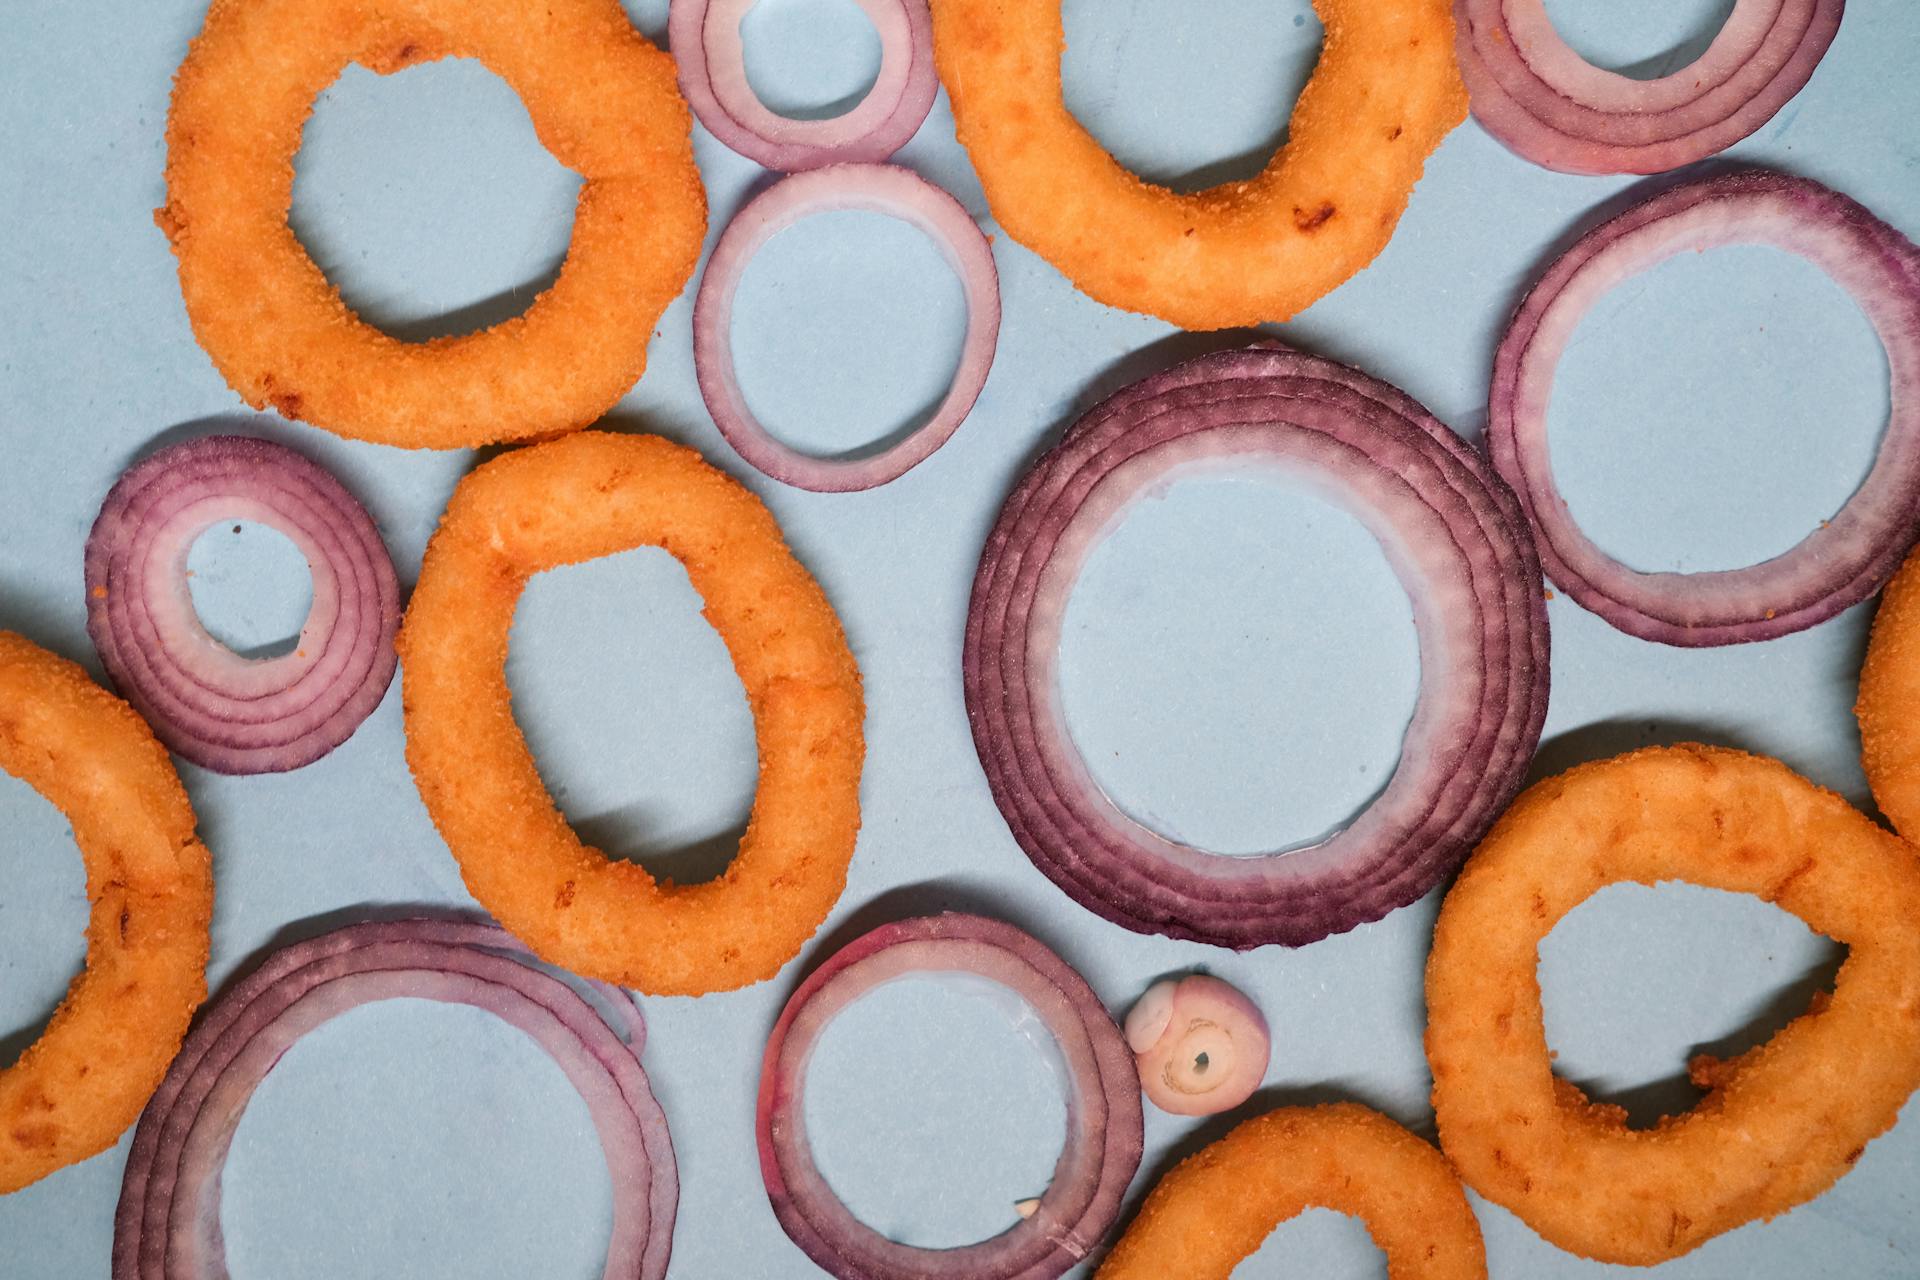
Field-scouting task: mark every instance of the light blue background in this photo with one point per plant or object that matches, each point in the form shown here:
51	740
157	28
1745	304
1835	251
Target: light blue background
1238	662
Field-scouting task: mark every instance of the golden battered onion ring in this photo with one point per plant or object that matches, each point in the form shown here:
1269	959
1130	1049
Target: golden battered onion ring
589	495
603	100
1781	1122
150	882
1219	1203
1888	708
1384	94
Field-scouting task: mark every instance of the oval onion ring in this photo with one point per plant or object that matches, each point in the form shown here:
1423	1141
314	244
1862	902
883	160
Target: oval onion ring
206	702
1104	1117
1544	101
1384	94
603	101
168	1221
589	495
705	38
1835	566
150	886
1218	1204
1888	708
1781	1122
1454	536
874	188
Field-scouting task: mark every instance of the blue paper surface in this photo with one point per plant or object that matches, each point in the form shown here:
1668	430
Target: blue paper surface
1238	662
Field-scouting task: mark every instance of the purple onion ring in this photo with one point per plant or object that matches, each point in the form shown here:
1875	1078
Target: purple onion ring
1547	103
205	702
874	188
1455	536
705	38
1835	566
167	1226
1104	1117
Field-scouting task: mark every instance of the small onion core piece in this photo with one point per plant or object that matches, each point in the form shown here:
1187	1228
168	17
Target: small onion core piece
871	188
167	1226
1455	537
1837	565
1531	90
205	702
1056	1231
1201	1045
706	43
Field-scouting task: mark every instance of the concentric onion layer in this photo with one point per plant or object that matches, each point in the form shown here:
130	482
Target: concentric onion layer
168	1222
871	188
1837	565
1103	1106
1547	103
705	38
1453	533
204	701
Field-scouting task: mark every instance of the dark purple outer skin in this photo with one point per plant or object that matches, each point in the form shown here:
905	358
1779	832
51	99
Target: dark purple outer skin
1486	769
1566	135
1107	1110
142	1224
1825	595
216	730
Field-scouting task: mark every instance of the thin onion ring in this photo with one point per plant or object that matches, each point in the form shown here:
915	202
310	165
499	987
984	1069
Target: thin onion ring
1218	1204
76	1088
1383	96
603	101
705	37
1781	1122
1547	103
207	703
577	498
1104	1124
1452	532
167	1223
874	188
1836	565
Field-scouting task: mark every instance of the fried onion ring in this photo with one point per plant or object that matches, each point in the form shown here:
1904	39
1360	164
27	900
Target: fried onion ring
589	495
1780	1123
1888	708
150	882
603	100
1218	1204
1385	93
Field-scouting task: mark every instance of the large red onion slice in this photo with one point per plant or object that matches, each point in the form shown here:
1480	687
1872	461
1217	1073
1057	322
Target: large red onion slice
167	1226
1534	93
207	703
873	188
1455	536
705	38
1835	566
1103	1106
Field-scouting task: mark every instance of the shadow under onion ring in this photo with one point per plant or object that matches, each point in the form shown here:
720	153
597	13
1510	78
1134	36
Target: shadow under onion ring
1104	1115
1781	1122
76	1088
1454	535
577	498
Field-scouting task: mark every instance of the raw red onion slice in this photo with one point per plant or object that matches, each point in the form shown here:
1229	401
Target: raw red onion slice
1054	1233
1836	565
205	702
167	1226
1534	93
874	188
1455	536
705	38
